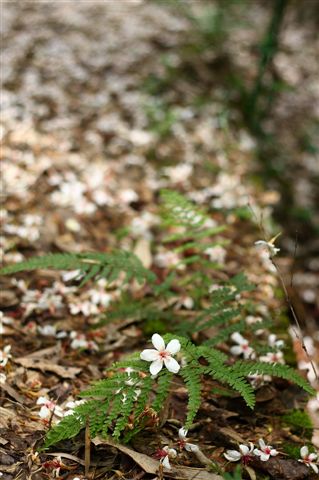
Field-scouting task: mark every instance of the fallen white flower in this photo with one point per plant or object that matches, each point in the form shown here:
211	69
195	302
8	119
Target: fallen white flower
265	451
164	455
242	347
162	356
5	355
309	459
189	447
244	453
273	357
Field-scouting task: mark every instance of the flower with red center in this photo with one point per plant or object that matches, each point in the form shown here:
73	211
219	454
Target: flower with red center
244	454
162	355
309	459
273	357
265	451
164	454
242	347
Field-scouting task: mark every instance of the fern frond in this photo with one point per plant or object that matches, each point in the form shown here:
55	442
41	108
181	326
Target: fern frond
224	334
178	210
226	374
90	265
70	425
245	368
192	376
162	391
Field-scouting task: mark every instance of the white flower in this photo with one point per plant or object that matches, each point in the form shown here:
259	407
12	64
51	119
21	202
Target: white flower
273	357
3	378
47	330
87	308
166	259
244	453
216	254
48	406
186	302
265	451
164	454
273	342
162	355
190	447
100	297
242	346
79	340
309	459
5	355
71	406
269	246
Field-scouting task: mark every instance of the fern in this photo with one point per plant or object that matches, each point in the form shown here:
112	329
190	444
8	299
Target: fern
179	211
246	368
117	403
90	265
224	310
192	377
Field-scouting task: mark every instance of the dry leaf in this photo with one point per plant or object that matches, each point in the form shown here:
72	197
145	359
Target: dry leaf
45	366
149	465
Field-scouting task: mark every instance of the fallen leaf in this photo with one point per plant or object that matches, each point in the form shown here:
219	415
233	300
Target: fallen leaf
46	366
149	465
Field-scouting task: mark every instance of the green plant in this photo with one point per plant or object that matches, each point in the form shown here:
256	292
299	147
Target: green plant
91	265
129	398
130	394
300	422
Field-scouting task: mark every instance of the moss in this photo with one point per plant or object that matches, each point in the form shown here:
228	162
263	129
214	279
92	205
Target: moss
299	421
292	450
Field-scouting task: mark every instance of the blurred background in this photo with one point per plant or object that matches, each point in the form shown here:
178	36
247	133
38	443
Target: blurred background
105	103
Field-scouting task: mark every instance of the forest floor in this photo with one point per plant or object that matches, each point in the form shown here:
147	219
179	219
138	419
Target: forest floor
104	105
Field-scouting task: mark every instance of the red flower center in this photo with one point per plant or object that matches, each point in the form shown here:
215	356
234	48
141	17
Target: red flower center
163	354
160	453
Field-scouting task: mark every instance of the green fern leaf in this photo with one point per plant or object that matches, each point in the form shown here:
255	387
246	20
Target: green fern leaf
91	265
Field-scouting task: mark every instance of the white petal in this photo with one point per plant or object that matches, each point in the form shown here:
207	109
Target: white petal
273	452
257	452
42	400
261	243
244	449
304	451
158	342
44	412
312	456
171	364
182	433
165	462
173	347
236	350
150	355
190	447
262	444
247	353
314	467
156	366
264	457
172	453
238	338
232	455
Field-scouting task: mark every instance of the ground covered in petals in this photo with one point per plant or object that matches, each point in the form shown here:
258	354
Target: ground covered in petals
105	105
